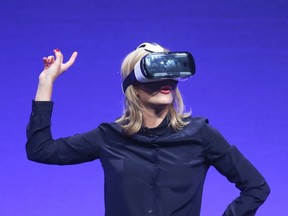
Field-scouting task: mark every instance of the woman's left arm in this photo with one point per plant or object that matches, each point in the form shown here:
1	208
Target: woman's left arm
229	161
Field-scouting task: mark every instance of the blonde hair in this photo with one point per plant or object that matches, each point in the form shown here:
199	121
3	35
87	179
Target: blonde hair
132	117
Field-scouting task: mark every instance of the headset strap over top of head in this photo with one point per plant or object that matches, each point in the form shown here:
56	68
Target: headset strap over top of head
151	47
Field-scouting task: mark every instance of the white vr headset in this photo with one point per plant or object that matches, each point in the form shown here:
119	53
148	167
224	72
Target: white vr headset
160	65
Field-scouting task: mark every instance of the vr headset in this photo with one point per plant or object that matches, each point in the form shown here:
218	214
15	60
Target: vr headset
160	65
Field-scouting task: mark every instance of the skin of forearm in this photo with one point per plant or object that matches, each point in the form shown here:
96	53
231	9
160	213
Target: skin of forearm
44	91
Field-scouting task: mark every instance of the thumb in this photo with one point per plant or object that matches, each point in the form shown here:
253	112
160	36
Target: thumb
71	61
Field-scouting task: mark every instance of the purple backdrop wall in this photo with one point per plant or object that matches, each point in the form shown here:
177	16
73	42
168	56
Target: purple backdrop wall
241	52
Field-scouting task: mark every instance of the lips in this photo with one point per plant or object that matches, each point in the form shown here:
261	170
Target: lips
165	89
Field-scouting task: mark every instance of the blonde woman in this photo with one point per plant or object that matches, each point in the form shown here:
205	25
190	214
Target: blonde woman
155	156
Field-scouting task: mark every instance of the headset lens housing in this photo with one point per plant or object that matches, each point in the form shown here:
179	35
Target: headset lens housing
167	65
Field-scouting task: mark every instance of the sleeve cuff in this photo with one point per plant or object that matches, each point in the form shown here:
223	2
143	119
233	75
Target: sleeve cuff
46	106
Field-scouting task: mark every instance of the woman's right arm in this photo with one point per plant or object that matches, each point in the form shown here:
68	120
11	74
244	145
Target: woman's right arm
40	146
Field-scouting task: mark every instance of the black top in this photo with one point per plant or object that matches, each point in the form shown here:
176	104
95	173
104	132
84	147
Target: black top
154	172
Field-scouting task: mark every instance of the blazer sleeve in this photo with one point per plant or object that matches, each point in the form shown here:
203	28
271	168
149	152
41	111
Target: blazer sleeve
42	148
229	161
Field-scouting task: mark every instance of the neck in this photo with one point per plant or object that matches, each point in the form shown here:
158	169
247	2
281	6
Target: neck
153	118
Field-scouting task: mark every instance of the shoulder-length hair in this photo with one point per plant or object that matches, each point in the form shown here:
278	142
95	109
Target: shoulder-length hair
132	118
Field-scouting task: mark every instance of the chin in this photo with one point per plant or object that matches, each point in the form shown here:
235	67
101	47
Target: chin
164	102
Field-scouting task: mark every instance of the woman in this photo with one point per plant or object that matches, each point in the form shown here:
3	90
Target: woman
155	157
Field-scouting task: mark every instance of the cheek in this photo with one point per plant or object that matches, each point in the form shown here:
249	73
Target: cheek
142	95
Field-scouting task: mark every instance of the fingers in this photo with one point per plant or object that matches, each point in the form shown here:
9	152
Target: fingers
58	60
48	60
59	56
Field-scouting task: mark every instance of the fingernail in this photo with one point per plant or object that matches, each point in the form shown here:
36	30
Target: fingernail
57	50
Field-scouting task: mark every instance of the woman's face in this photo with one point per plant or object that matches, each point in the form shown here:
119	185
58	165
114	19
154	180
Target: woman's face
156	95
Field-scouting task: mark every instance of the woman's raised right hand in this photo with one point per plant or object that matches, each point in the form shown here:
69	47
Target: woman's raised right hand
53	67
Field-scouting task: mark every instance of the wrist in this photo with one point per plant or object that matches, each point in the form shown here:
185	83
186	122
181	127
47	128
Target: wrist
46	81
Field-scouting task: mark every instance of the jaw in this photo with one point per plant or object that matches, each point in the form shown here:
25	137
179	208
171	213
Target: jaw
158	104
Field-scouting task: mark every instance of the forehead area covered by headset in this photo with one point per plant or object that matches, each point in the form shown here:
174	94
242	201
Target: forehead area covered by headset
160	65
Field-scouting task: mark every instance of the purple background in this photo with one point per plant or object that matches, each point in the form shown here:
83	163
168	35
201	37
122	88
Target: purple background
241	85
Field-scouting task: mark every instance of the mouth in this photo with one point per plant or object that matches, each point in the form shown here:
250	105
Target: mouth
166	89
